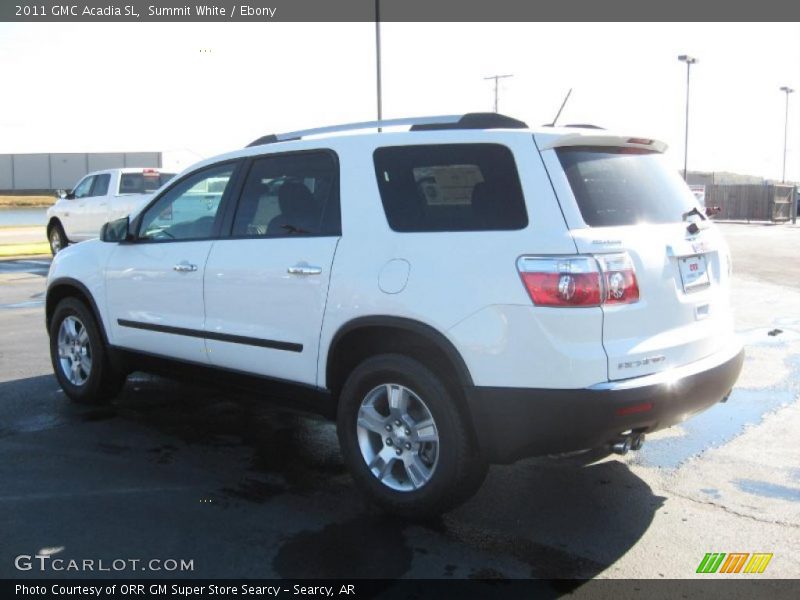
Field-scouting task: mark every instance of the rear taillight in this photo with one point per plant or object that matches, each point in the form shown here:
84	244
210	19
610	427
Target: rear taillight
579	281
561	280
619	277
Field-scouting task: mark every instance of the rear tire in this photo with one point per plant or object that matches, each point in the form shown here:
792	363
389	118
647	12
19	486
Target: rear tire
80	358
405	440
57	238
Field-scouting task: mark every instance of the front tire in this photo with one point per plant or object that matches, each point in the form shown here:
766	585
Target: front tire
57	238
404	438
79	355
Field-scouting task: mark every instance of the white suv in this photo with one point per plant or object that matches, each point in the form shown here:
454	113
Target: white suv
467	292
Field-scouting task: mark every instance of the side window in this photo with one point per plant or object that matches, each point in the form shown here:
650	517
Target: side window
100	187
290	195
84	188
188	210
450	187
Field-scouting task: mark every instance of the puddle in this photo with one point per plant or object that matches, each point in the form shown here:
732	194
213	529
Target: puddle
768	490
255	490
714	427
371	547
543	560
284	451
711	492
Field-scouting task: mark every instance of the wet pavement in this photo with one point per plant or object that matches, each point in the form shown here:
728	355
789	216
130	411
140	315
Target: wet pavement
246	489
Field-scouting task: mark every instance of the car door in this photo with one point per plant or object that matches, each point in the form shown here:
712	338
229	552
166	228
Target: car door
94	208
266	285
73	218
154	284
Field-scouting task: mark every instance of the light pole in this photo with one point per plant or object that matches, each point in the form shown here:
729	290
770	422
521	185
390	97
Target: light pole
496	78
689	60
787	90
378	59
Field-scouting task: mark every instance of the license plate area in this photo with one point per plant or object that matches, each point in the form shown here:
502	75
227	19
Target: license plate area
694	272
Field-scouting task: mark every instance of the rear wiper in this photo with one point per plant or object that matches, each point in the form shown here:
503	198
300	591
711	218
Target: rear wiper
694	211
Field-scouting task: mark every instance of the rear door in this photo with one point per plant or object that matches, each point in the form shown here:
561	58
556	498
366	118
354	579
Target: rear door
627	199
266	286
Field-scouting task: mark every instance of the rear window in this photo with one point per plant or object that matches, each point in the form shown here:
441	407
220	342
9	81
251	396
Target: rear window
450	187
624	186
142	183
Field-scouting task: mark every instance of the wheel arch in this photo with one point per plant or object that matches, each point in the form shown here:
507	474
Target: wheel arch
364	336
53	222
67	287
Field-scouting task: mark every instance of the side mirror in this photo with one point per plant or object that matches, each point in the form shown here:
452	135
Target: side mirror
61	194
116	231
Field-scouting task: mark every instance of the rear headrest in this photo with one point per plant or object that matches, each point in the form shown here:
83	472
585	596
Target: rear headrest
483	196
295	199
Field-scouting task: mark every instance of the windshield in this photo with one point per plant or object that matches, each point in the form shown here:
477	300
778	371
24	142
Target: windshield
142	183
624	186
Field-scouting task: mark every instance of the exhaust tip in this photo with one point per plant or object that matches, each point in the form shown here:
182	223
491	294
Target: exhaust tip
622	447
637	442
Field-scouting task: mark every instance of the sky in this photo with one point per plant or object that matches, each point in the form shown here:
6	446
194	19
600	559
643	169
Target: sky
193	90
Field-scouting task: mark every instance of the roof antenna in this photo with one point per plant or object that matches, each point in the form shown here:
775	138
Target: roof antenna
558	114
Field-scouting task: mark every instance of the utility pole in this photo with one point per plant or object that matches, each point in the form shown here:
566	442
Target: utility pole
497	79
378	57
689	60
787	90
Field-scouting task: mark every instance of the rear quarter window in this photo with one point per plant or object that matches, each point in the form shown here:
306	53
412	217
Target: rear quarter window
624	186
450	187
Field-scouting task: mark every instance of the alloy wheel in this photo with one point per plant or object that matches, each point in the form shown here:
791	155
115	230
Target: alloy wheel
398	437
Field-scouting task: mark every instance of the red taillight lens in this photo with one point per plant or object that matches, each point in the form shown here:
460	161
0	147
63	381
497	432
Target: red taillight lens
579	281
620	278
563	289
561	281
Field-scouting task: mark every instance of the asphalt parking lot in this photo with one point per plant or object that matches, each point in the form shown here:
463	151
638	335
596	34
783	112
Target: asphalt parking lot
243	489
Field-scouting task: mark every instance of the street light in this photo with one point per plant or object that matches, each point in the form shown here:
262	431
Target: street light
689	60
787	90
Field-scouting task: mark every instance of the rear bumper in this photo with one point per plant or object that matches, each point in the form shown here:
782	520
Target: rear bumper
514	423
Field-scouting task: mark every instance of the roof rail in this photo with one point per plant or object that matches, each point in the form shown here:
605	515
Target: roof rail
467	121
576	126
584	126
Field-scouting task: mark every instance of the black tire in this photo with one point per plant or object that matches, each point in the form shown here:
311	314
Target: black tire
102	382
459	469
56	238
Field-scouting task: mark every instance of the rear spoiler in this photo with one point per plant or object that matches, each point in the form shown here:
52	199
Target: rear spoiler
593	138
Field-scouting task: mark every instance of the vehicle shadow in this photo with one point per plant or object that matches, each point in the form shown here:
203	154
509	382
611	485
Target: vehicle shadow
540	518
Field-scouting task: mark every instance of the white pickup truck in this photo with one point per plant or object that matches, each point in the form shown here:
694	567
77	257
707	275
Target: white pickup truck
100	197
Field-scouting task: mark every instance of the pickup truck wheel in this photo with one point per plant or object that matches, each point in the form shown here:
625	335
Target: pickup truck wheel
79	356
404	438
57	238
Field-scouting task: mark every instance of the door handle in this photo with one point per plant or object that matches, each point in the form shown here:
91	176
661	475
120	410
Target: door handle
304	269
185	267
